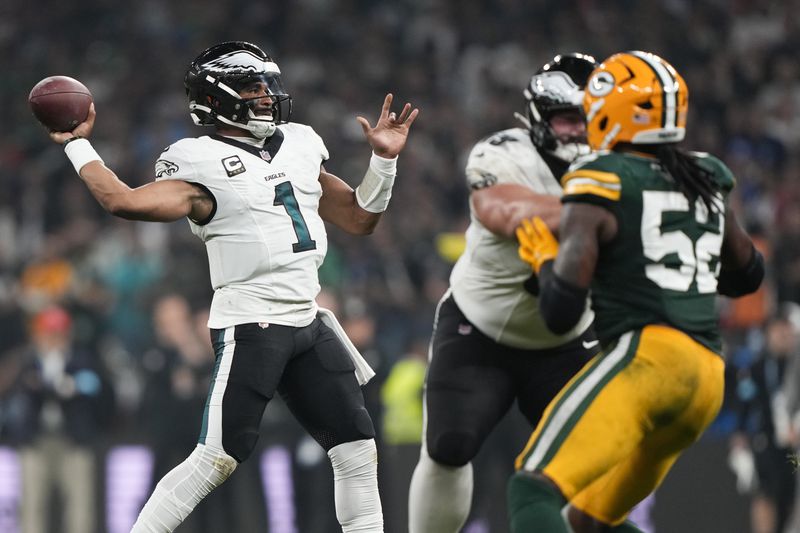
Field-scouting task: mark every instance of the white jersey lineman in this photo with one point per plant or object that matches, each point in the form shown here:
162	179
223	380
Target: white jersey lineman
490	347
265	239
487	279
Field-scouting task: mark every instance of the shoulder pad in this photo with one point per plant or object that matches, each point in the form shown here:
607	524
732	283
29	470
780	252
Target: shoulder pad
590	176
721	172
502	139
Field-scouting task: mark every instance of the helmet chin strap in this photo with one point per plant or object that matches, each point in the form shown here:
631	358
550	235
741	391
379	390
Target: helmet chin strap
260	129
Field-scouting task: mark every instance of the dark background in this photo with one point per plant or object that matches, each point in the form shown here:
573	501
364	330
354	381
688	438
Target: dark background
464	64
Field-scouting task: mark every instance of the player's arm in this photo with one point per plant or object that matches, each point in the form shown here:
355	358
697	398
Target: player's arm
339	206
358	211
565	285
565	271
742	265
583	228
159	202
502	207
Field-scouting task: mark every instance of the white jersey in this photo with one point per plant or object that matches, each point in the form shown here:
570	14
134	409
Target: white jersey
265	239
487	280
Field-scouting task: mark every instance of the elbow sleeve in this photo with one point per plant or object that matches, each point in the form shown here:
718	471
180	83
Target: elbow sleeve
744	280
560	302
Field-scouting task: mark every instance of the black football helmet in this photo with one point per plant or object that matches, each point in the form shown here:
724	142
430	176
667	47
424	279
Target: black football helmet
215	78
556	87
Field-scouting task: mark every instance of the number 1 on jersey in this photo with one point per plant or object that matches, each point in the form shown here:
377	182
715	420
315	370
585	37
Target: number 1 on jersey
284	195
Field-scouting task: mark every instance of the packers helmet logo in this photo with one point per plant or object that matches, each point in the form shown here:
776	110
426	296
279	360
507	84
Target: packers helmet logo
165	168
600	84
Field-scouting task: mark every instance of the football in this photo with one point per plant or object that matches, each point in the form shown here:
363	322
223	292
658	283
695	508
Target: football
60	103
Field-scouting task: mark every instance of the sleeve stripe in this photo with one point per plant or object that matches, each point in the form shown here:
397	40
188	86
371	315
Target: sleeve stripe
578	181
584	181
597	175
604	191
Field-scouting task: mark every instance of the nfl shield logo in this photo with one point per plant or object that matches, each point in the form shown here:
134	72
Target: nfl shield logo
265	156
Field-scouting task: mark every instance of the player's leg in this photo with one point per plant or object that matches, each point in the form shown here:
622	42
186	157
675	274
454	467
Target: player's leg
683	403
654	391
468	390
249	363
605	503
542	376
584	432
321	390
543	373
440	495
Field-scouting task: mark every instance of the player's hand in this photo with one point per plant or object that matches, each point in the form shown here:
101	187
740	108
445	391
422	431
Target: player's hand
84	129
389	135
537	245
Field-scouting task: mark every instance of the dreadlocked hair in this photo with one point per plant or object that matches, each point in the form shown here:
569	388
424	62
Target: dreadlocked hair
693	180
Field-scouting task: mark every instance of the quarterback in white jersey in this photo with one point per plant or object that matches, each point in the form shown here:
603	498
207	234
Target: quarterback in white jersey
490	345
266	239
257	194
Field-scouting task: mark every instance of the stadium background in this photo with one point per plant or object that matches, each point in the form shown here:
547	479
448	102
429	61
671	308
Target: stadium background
135	290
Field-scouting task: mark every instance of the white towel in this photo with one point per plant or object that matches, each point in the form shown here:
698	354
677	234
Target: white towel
363	371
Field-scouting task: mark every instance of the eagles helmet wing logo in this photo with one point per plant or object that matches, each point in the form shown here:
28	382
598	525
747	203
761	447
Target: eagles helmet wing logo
165	168
558	87
240	60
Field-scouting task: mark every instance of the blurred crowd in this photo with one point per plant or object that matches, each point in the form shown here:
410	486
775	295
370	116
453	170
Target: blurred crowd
128	301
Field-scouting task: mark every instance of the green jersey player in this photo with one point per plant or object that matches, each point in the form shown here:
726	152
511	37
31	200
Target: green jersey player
648	229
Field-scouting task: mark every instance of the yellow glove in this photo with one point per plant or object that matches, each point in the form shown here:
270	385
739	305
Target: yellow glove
537	245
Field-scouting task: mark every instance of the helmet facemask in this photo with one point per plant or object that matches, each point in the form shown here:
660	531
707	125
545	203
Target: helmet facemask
219	74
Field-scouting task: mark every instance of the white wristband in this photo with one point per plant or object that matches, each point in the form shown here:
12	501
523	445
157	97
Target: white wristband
80	152
376	189
385	168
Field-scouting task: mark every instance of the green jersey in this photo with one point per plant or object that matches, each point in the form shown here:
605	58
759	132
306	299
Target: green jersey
662	266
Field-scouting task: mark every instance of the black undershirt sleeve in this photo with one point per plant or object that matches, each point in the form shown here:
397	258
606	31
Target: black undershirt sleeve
741	281
560	302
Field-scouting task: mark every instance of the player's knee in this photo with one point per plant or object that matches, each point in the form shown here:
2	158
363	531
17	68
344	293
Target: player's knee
452	448
211	465
362	423
351	457
241	445
356	426
361	427
355	475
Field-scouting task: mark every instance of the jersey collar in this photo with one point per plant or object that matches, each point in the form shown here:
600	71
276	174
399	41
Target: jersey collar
266	153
